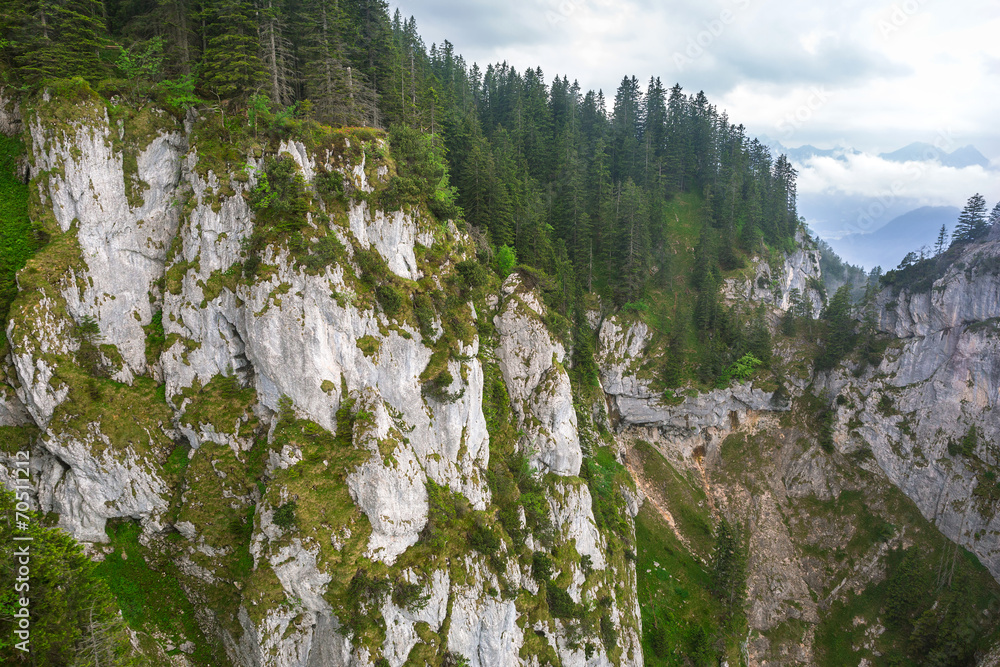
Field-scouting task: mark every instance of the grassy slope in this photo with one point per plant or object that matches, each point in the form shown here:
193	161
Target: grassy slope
871	514
16	244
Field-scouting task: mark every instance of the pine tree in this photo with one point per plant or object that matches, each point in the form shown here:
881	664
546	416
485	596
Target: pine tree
339	92
231	66
971	223
627	132
729	567
840	336
50	39
678	140
276	51
942	238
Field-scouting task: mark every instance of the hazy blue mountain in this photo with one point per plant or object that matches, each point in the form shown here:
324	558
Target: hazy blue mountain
918	151
887	246
806	151
967	156
835	214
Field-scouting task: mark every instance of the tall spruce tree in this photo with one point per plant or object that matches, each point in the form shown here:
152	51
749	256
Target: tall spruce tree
54	39
231	65
971	223
942	238
276	52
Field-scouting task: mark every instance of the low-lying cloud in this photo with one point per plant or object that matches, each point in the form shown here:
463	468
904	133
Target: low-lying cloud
928	183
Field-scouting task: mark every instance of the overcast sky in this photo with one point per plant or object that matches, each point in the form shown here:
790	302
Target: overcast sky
871	74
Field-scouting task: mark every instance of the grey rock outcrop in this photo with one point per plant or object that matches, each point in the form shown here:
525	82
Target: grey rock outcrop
936	386
799	275
123	235
143	225
698	423
531	362
389	487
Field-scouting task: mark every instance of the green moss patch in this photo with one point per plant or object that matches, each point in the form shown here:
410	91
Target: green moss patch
151	598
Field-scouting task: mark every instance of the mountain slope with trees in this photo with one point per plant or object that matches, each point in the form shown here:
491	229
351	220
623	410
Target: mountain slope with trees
358	399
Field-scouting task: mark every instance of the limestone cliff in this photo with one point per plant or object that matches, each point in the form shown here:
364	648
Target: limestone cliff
926	412
295	416
825	524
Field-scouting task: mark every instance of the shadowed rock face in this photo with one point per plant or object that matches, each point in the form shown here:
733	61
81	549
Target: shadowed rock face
142	228
938	382
531	362
942	379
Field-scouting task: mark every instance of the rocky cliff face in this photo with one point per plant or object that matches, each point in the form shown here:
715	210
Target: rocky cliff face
795	276
823	525
926	412
303	442
344	448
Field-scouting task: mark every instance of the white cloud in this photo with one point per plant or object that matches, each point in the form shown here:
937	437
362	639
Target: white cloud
926	183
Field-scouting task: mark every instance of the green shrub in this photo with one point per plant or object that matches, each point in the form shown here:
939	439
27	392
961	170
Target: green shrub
329	185
886	405
453	659
541	567
373	268
155	338
561	605
365	595
327	251
741	370
473	273
409	596
444	509
437	388
423	308
966	445
391	299
484	539
280	200
284	516
506	260
609	635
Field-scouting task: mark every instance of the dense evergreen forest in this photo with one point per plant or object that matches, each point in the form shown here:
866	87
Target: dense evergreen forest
595	194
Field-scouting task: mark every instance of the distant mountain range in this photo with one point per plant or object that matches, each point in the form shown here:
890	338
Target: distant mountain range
967	156
918	151
887	245
877	231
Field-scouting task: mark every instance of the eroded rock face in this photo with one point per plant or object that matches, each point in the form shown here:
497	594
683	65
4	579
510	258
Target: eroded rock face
144	228
698	423
10	114
123	222
932	388
389	486
531	362
777	286
12	410
88	480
